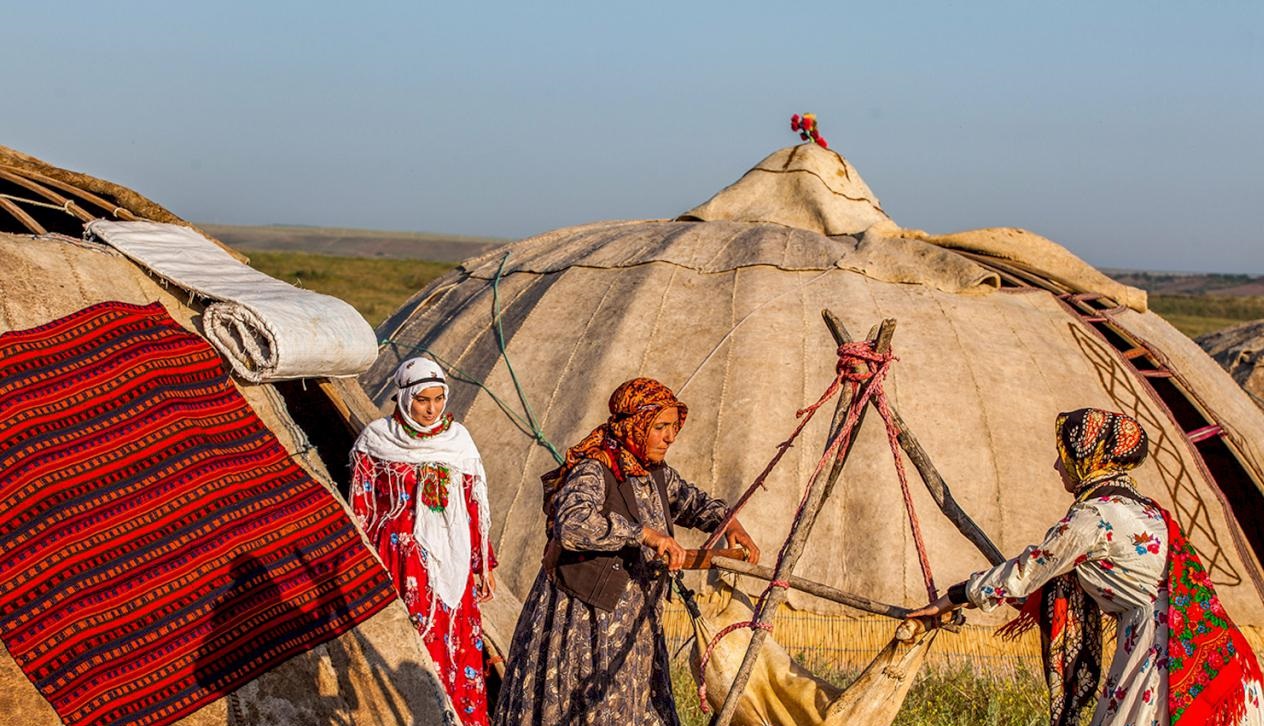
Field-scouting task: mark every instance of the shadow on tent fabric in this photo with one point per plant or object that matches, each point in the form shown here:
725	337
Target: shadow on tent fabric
386	679
255	597
323	703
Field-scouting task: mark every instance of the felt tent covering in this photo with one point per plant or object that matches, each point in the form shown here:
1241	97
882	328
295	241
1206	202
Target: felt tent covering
267	329
723	306
378	672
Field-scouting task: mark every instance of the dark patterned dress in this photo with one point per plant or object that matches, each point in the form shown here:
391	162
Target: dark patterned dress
571	663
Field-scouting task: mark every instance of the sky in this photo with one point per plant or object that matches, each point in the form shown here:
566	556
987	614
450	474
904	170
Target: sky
1130	132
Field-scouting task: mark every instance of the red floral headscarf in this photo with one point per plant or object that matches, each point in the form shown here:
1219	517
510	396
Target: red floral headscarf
1095	445
619	443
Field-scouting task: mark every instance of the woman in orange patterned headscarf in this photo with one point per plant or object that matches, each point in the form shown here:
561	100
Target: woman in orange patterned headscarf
589	644
620	442
1178	657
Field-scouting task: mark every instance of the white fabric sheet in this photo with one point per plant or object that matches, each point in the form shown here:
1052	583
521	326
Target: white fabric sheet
267	329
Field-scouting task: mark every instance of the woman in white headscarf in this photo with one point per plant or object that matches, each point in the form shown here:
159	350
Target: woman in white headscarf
418	490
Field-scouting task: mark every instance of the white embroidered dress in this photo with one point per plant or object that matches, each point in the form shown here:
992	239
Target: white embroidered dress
1118	549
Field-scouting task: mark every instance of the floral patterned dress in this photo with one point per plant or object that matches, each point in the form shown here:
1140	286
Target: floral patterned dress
572	663
1118	548
454	636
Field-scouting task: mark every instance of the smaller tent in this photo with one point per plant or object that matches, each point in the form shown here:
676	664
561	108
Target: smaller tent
376	672
1240	351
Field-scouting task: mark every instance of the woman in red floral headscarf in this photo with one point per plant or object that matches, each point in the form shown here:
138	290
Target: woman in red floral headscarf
1178	657
589	645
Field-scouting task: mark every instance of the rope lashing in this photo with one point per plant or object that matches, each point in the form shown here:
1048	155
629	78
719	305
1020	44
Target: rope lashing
538	433
858	363
526	422
36	203
706	657
878	366
753	624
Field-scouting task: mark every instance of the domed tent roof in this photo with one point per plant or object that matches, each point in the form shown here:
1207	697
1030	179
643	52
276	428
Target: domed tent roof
47	272
802	186
1240	351
999	330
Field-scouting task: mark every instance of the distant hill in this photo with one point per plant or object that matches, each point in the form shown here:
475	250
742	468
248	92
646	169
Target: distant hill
352	242
1199	303
1181	283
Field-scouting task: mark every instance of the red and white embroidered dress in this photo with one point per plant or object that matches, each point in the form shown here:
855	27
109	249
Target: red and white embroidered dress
421	496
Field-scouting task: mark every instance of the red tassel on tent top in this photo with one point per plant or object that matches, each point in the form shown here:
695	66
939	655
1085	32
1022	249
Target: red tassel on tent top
805	125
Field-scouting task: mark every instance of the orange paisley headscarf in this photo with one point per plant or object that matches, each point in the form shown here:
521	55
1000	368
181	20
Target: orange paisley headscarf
1096	445
619	443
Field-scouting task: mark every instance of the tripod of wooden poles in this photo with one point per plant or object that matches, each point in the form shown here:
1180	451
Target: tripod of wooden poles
877	695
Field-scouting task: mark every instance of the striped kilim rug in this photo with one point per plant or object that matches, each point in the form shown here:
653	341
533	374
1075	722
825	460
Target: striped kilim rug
158	547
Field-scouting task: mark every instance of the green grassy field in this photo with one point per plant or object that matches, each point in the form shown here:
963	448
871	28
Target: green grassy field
1195	315
374	286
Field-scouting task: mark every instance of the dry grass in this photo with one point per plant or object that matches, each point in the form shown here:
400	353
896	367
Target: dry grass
940	697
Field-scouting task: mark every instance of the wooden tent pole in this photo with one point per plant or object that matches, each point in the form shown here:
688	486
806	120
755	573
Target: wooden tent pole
796	540
935	483
67	205
20	214
351	401
825	592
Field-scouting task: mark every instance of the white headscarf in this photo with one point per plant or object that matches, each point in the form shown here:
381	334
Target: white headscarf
412	377
444	535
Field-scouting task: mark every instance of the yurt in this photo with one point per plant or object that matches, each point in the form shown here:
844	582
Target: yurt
998	330
1240	351
173	544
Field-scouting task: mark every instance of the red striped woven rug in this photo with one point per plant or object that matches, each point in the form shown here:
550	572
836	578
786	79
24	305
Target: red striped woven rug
158	547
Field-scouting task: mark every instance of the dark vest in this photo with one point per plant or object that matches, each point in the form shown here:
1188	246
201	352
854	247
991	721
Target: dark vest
599	578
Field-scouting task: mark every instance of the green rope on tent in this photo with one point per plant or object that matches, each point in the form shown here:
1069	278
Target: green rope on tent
530	424
513	376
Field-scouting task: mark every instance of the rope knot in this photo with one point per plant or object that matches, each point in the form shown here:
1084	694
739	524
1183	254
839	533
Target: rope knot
858	361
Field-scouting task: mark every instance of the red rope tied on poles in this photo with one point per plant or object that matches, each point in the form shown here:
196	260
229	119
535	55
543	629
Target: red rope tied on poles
857	362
